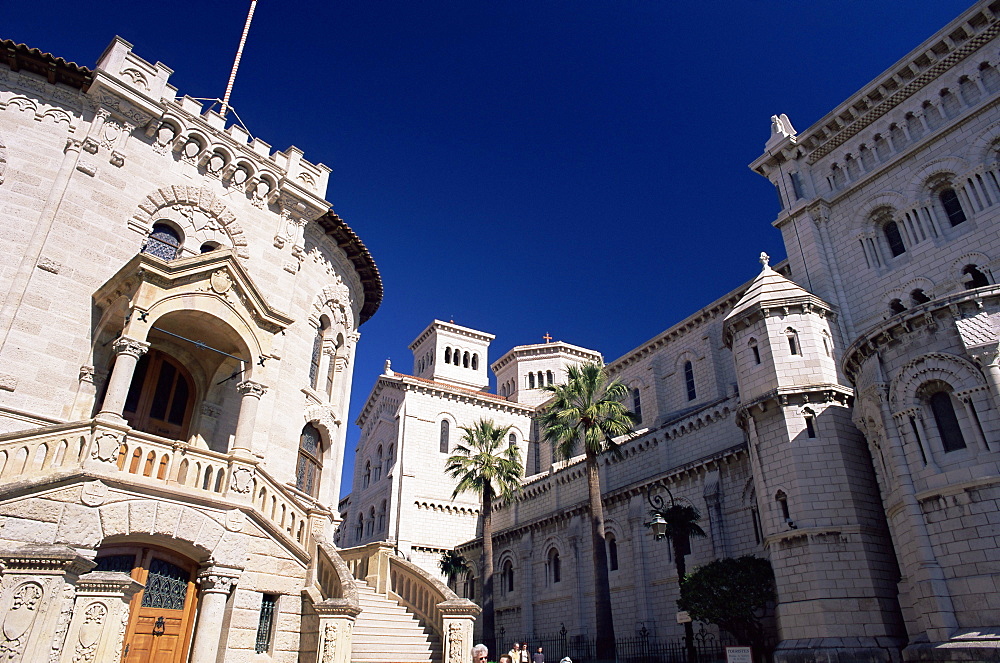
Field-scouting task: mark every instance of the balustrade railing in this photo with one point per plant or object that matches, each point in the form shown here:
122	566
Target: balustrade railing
147	458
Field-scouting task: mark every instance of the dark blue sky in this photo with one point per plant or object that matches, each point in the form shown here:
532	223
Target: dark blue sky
576	167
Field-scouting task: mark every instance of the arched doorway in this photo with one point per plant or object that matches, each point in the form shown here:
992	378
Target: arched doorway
161	616
161	397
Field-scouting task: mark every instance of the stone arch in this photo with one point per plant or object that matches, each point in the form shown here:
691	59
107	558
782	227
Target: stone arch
198	212
891	199
953	166
953	370
333	300
980	149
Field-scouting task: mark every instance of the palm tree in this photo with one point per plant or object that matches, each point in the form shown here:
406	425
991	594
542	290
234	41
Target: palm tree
452	564
486	464
681	525
588	412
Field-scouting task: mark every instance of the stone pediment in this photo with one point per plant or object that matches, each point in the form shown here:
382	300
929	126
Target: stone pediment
146	280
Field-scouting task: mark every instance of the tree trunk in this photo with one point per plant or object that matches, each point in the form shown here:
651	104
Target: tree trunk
489	623
605	626
681	567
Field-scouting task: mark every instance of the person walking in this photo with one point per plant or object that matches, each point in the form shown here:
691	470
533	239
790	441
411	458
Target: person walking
523	656
538	656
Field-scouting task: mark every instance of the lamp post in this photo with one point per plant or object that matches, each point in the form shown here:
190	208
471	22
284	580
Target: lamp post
675	522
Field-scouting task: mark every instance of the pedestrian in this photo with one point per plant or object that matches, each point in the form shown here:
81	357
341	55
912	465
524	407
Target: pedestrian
524	656
538	656
479	654
505	658
515	653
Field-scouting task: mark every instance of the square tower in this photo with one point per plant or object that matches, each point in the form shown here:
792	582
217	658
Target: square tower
446	352
524	370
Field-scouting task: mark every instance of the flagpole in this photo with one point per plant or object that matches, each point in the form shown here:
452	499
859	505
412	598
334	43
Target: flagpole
239	54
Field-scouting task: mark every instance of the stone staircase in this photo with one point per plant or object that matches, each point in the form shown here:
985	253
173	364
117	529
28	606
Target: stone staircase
385	632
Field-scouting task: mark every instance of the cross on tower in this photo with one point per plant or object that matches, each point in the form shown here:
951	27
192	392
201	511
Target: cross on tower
547	337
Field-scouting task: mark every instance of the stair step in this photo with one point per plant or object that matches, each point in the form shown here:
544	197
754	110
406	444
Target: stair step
386	632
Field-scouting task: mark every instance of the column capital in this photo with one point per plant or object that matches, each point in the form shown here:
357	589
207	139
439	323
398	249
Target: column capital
219	581
251	388
124	345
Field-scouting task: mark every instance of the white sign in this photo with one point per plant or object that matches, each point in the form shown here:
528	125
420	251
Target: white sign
738	655
683	617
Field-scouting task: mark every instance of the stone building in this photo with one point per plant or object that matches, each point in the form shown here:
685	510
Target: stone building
179	319
838	414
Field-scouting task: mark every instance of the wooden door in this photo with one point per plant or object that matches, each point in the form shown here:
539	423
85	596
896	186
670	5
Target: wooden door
161	396
161	614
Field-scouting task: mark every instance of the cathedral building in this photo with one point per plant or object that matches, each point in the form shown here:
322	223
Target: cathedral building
837	414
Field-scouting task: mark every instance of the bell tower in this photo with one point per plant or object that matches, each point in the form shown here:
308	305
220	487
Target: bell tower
446	352
817	494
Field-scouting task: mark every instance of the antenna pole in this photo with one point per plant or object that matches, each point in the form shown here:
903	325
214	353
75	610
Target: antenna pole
239	54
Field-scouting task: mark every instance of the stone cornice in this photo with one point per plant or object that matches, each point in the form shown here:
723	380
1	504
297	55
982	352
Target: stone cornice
796	395
349	242
761	310
545	349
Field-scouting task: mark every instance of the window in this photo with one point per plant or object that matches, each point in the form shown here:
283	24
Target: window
947	422
896	306
782	501
381	516
475	362
637	405
512	440
810	426
389	459
752	344
447	355
797	187
163	242
371	521
689	381
317	352
359	531
827	344
368	474
310	463
465	360
531	380
893	237
208	247
160	399
548	377
443	447
470	587
612	552
976	278
507	577
552	563
919	297
793	341
952	206
265	624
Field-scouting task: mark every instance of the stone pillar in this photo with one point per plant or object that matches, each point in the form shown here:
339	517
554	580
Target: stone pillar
216	584
100	617
993	379
36	601
127	354
251	393
336	628
458	617
527	595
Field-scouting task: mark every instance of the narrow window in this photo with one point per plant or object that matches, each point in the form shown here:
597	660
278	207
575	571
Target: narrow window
512	440
541	380
793	341
637	405
755	350
781	201
531	380
947	422
782	501
916	434
810	426
368	474
359	531
797	187
976	278
508	576
444	436
548	377
758	533
310	462
389	459
163	242
381	516
689	381
371	521
952	206
265	625
465	360
612	553
892	235
475	362
555	572
447	355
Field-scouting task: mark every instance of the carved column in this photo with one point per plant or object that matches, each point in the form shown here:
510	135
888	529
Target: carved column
251	393
215	584
458	616
100	617
127	354
36	601
336	628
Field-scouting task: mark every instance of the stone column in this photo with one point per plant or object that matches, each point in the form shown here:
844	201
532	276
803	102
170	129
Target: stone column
527	585
215	584
993	378
336	628
251	393
100	617
36	601
127	354
458	617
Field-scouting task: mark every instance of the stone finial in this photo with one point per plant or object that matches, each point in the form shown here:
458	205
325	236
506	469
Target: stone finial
387	370
765	260
781	129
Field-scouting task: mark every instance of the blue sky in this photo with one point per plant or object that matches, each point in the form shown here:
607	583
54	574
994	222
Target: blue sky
571	167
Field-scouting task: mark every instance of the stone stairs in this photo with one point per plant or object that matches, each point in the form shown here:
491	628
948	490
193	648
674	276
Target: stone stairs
385	632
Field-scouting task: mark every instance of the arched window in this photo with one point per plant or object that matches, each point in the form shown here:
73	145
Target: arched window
793	341
637	405
371	521
512	440
470	586
507	577
810	425
389	458
163	242
976	278
377	470
531	380
894	238
368	474
782	501
475	362
310	462
612	552
896	306
946	420
208	247
359	530
952	206
443	445
752	344
919	297
465	360
160	399
548	377
541	380
552	564
317	352
827	344
447	355
689	381
381	516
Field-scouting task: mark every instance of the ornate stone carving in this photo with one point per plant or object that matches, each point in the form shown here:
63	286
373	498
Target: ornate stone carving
221	281
94	493
456	645
329	642
49	265
87	374
106	447
210	581
129	346
88	168
235	520
251	388
90	632
20	617
242	478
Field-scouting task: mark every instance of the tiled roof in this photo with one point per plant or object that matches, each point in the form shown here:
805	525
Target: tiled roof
769	286
56	70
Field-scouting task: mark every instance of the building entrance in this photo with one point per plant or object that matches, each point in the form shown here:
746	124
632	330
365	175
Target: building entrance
161	397
161	614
